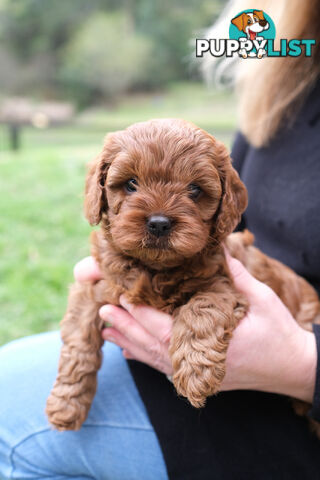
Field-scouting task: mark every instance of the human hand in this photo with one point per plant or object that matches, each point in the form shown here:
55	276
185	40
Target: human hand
269	351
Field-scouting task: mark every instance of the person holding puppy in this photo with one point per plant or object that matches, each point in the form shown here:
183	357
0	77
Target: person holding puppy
138	427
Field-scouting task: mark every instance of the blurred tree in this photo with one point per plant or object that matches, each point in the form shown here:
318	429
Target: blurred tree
138	43
31	27
172	24
105	57
31	34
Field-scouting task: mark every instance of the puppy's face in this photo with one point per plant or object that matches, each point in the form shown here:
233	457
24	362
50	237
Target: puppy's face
160	188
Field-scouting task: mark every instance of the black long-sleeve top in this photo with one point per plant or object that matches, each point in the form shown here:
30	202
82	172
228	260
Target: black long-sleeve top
245	434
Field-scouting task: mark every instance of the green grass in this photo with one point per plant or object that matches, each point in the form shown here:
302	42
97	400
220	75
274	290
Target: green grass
42	229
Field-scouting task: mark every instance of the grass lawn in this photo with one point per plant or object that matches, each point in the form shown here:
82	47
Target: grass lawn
42	229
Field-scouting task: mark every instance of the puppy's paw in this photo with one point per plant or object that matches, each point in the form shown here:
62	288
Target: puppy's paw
197	374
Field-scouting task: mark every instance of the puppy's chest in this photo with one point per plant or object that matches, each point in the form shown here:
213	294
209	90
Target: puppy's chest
164	291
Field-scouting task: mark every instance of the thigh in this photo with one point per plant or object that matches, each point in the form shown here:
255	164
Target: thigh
117	440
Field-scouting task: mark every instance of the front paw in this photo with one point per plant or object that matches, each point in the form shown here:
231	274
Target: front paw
197	374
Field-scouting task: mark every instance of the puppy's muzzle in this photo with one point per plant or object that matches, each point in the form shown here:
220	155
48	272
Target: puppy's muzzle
159	225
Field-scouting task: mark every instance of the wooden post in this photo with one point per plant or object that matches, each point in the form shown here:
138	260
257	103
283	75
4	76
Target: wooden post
14	136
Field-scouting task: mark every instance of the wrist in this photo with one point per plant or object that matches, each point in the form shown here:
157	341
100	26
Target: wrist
300	374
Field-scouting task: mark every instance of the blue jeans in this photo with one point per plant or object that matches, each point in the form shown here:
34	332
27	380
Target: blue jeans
117	441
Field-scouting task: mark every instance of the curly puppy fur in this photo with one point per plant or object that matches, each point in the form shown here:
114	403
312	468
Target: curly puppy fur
184	174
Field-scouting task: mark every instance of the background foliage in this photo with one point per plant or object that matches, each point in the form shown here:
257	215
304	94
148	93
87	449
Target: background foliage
88	50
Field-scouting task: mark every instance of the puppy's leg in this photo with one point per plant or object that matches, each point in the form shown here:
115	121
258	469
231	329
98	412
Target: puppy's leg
72	394
201	333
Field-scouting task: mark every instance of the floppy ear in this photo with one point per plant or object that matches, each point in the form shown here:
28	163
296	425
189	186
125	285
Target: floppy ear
234	198
95	198
259	14
238	21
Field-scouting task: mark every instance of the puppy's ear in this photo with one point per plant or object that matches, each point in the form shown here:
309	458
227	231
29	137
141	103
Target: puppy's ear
234	198
238	21
95	198
259	14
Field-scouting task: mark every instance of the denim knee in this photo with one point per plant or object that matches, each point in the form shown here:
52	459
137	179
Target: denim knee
116	441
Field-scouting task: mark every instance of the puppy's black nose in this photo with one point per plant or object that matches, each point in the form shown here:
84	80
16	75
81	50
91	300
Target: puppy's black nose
159	225
263	23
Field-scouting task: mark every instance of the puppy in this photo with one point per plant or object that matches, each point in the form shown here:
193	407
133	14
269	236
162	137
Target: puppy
166	196
251	24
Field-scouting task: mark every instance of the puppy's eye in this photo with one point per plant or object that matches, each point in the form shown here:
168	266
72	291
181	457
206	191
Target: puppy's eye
130	185
194	191
249	21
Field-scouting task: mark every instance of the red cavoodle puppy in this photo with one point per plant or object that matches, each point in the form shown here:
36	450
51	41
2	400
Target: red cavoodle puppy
167	197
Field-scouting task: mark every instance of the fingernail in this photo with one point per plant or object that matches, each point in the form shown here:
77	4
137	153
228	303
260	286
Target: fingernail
124	303
106	315
104	312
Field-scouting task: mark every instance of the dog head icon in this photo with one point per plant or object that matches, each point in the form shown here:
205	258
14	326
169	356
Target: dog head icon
251	23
